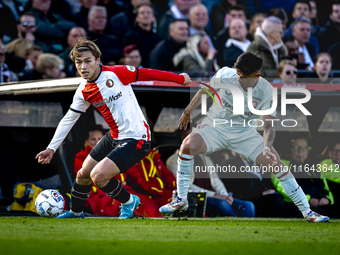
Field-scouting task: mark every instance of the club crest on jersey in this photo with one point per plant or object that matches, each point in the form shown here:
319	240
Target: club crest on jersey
255	103
131	68
110	83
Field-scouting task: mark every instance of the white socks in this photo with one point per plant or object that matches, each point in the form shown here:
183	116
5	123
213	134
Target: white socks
293	191
129	201
185	166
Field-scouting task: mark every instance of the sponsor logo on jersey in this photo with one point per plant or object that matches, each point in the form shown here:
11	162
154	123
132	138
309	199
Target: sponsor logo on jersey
110	83
131	68
109	100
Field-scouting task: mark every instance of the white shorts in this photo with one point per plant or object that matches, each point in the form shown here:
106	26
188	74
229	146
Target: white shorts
248	143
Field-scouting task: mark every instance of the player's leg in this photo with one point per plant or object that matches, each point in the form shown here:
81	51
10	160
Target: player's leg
126	154
290	186
81	190
191	146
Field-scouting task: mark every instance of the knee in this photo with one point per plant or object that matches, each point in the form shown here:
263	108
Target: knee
98	177
83	178
185	147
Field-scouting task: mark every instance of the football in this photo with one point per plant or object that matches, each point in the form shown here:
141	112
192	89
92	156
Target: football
49	203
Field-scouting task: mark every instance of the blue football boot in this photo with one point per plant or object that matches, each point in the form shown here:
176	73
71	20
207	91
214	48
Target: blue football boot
126	211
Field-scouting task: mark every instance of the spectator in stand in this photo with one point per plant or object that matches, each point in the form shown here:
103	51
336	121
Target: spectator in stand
301	32
334	51
162	54
132	56
72	38
124	21
19	48
282	15
141	34
218	14
5	74
236	44
302	10
10	11
49	66
332	174
293	52
51	28
199	19
108	44
197	56
33	56
287	72
322	68
256	22
268	42
27	27
81	17
331	33
235	12
309	181
316	28
179	10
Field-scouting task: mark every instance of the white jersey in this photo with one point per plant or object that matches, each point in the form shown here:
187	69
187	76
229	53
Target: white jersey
261	97
114	98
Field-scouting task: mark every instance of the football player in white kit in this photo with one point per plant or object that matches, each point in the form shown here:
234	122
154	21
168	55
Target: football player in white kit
221	129
108	89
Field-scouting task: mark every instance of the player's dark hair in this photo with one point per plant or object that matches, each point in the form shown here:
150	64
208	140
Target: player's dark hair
84	45
249	63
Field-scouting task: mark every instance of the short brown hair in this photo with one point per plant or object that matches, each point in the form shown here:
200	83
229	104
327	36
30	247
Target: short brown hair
84	45
48	61
283	63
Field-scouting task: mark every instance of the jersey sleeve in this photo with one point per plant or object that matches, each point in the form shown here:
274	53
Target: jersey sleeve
146	74
79	104
129	74
126	74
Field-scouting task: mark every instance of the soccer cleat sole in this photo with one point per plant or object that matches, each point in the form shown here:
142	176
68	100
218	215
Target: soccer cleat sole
168	213
324	220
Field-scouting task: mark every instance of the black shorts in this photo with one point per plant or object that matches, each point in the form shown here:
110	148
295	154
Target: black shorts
125	153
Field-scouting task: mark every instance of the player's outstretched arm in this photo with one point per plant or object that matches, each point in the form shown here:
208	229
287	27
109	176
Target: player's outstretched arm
268	140
45	157
64	127
194	103
145	74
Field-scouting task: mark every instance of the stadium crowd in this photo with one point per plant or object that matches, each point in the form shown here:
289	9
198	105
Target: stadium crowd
175	35
297	39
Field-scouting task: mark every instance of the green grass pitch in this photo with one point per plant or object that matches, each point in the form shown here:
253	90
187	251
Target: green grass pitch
98	236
